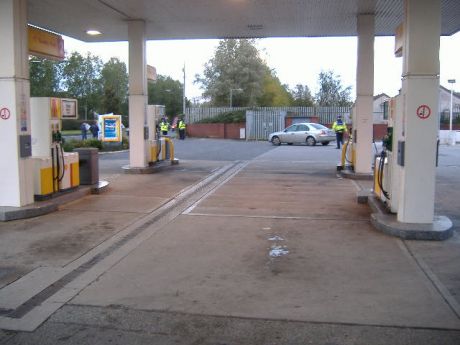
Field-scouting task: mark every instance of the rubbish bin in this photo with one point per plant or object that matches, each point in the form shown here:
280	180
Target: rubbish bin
89	165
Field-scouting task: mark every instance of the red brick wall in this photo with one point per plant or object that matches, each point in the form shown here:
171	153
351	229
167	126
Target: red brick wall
232	130
379	131
206	130
455	126
215	130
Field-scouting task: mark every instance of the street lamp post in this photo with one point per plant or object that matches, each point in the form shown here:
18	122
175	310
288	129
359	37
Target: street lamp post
451	134
231	96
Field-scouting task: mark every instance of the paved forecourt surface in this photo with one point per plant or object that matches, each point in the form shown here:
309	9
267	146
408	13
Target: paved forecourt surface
272	249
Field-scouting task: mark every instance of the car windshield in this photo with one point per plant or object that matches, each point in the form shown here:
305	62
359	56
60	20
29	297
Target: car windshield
318	126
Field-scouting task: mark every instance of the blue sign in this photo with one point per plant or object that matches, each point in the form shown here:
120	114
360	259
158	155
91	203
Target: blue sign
111	129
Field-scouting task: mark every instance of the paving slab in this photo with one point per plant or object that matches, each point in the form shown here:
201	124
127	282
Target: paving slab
220	267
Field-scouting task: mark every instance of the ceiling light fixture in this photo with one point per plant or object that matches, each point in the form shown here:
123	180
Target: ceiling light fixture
93	32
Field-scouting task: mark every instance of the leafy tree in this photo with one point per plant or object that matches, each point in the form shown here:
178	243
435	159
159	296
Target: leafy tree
168	92
301	96
236	65
274	93
115	86
82	80
44	77
331	91
110	101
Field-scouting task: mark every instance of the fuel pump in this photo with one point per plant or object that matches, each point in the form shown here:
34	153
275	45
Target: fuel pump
154	114
348	157
54	169
388	167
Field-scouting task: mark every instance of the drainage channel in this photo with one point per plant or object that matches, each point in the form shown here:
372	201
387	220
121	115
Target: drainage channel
157	219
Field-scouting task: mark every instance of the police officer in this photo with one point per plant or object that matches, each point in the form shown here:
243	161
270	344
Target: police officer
164	126
181	125
339	127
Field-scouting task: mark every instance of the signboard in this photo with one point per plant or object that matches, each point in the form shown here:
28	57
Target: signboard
55	108
151	73
69	108
45	44
111	128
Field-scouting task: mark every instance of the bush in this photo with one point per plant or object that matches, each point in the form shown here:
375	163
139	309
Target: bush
69	145
236	116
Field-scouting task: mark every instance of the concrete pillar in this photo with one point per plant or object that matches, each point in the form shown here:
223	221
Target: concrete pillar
16	180
137	94
420	87
364	94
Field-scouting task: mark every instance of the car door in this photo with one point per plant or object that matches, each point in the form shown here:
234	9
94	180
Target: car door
301	133
289	134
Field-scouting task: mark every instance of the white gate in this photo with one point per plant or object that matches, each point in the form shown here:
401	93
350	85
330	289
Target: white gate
260	123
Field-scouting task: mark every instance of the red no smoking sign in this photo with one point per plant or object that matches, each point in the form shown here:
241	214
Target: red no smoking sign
5	113
423	111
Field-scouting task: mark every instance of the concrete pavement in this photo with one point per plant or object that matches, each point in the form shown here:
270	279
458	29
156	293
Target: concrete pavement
273	250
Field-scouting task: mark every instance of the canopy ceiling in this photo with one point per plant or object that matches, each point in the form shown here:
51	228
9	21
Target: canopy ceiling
190	19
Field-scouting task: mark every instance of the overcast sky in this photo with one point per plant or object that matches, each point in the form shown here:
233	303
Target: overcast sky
295	60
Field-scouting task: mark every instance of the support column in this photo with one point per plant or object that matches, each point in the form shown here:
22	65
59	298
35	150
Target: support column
16	182
137	94
420	87
363	126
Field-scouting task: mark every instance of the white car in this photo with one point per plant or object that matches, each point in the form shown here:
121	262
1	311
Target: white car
306	132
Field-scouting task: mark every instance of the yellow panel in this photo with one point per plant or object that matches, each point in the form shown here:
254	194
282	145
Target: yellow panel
46	181
74	174
377	190
153	153
46	44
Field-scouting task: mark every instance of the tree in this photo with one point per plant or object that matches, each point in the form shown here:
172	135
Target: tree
82	80
301	96
236	65
115	86
331	92
168	92
44	77
274	93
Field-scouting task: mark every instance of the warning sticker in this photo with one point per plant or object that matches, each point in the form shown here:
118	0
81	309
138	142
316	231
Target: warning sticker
423	111
5	113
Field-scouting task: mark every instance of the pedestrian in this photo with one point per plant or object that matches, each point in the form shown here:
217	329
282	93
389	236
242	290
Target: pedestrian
84	129
164	126
94	129
181	125
339	127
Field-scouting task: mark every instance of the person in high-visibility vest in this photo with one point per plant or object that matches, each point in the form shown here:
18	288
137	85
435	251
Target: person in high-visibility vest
339	127
164	126
181	125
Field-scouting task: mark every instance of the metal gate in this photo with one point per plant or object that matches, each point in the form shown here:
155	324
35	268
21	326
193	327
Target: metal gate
260	123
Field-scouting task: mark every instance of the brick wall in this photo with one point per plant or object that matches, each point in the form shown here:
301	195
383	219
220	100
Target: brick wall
215	130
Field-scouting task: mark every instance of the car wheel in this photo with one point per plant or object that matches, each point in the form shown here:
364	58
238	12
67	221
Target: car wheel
276	141
311	141
325	143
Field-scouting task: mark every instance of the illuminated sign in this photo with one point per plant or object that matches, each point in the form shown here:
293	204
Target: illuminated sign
69	108
45	44
111	128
